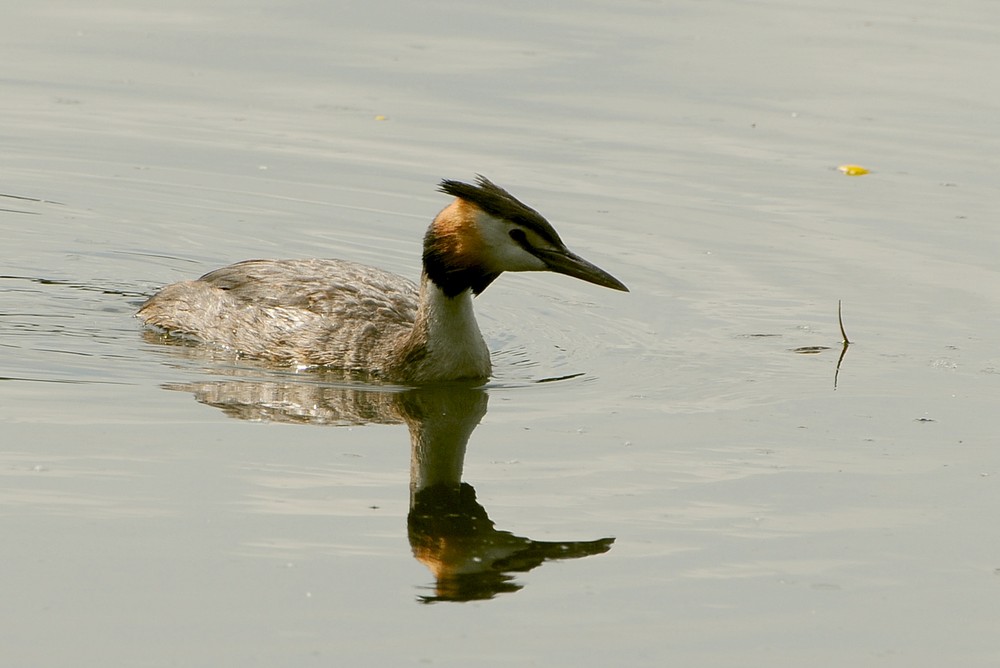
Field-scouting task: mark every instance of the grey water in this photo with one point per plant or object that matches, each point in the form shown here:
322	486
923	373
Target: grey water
687	474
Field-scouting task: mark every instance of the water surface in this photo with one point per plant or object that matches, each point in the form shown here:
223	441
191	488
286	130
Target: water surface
695	491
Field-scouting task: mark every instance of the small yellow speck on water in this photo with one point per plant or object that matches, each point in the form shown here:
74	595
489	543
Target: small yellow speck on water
853	170
380	117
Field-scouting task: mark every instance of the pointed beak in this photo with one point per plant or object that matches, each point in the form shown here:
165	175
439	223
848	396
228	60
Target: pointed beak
564	261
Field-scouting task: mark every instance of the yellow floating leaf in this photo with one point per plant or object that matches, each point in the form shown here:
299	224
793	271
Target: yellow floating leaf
380	117
853	170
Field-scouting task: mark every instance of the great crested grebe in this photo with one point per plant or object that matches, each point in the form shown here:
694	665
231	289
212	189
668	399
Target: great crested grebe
358	318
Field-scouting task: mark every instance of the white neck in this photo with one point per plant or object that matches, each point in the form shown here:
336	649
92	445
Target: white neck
455	346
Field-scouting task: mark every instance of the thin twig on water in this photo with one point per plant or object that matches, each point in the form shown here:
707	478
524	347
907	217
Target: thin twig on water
840	319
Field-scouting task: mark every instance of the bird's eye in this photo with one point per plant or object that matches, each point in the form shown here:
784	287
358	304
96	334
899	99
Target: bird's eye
518	235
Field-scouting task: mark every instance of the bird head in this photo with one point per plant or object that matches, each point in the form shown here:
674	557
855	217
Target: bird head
486	231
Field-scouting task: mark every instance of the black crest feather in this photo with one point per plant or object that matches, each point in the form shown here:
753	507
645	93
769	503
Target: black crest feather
499	203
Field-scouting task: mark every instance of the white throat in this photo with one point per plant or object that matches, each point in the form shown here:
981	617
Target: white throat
455	346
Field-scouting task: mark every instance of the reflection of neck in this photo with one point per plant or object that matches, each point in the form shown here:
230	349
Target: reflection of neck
440	419
449	531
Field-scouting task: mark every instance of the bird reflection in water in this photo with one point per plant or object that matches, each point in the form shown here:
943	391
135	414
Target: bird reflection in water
449	530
